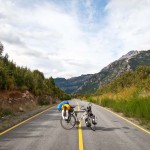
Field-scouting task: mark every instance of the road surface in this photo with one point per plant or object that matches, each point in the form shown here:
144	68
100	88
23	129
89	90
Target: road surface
44	132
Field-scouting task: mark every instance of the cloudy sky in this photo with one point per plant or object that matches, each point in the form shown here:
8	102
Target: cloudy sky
67	38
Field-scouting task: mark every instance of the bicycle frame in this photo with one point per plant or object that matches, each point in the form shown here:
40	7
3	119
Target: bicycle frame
81	117
84	116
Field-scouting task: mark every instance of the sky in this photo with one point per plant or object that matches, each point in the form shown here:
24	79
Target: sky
68	38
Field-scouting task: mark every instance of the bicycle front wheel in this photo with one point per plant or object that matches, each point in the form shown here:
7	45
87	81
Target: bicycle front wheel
68	123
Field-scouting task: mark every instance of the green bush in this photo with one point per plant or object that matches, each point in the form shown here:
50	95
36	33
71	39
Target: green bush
5	112
43	101
90	99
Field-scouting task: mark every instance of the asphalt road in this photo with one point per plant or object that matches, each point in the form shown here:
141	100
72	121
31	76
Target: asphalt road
44	132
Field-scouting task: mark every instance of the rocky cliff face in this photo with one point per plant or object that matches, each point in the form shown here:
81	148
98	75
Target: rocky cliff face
91	83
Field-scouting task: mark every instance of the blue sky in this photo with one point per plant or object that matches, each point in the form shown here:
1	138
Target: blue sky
67	38
89	12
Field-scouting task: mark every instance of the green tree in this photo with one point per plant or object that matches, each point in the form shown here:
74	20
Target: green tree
2	78
10	83
29	80
1	49
20	78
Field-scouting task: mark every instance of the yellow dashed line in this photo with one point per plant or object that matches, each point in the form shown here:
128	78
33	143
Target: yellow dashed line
81	147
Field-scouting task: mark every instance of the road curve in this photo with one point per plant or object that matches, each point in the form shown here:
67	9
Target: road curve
44	132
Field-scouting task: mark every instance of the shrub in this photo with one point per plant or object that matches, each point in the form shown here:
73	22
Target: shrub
42	101
5	112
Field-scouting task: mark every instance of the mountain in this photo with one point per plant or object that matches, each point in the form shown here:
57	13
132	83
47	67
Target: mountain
72	84
129	81
129	55
127	62
91	83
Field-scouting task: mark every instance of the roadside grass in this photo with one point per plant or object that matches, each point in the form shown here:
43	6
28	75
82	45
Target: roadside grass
42	101
11	109
5	112
131	102
7	109
138	107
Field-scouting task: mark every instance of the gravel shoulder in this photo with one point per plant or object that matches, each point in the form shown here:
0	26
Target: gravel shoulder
11	120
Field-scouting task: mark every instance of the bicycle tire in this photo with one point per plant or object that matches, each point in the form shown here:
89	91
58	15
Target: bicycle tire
66	124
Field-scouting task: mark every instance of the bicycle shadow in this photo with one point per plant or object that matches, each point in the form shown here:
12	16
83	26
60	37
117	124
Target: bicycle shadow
99	128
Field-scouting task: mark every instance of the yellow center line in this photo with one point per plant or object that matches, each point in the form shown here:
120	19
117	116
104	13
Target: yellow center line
81	147
23	122
146	131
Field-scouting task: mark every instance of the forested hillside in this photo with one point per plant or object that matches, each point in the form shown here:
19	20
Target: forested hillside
13	77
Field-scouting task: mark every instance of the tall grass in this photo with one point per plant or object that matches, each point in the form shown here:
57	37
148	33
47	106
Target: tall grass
13	109
132	102
5	112
138	107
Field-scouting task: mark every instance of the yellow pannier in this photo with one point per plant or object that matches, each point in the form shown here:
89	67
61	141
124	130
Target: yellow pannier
66	106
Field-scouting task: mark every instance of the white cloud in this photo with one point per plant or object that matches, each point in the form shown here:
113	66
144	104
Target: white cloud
56	39
128	21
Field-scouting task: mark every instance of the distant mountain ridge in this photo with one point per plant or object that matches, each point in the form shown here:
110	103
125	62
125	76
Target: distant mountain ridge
71	85
91	83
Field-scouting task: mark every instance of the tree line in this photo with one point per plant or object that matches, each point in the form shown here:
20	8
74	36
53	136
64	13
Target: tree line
13	77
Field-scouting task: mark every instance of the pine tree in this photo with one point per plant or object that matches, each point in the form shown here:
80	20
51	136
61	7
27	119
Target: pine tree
1	49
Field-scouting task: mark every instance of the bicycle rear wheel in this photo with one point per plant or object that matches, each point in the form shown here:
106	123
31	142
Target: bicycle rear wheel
69	123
